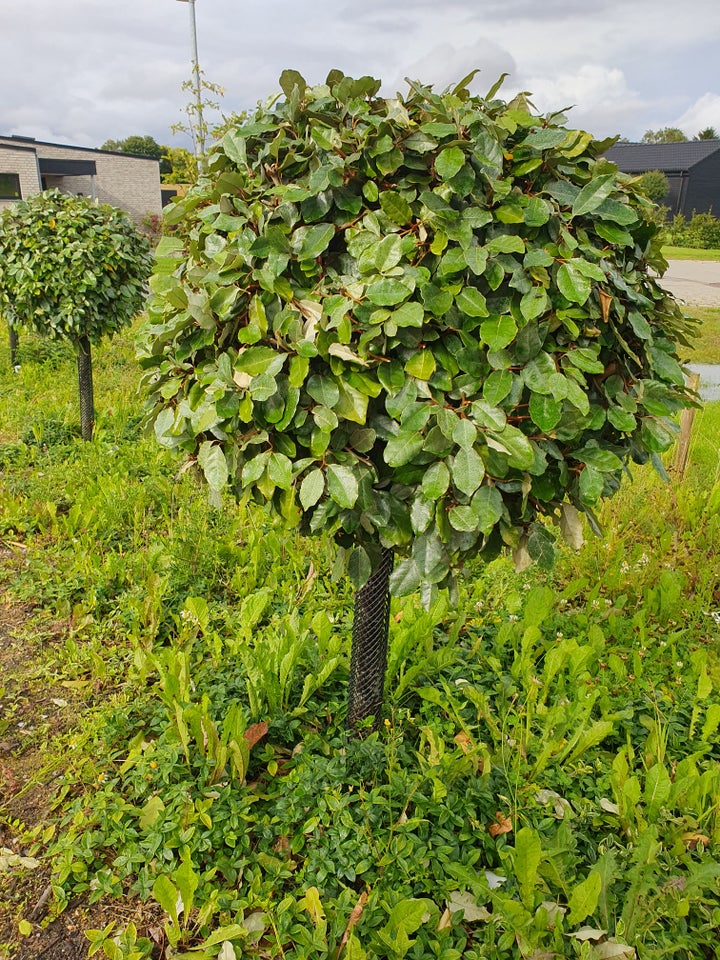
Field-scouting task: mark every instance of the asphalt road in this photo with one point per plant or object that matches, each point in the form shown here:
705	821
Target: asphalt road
694	281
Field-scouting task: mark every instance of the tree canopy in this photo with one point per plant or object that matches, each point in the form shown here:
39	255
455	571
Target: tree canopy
664	135
425	323
70	267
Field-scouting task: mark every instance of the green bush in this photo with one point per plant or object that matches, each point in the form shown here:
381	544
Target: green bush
70	268
702	232
422	324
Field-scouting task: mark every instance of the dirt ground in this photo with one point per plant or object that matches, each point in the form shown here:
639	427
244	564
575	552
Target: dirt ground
34	711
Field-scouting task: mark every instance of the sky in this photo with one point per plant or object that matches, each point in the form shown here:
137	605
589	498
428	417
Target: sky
85	71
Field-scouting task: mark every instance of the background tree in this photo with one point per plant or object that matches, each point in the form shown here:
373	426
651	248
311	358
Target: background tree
183	166
426	325
707	133
654	184
70	268
201	106
141	146
664	135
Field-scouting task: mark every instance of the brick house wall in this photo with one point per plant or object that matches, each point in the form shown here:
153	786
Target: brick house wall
23	162
128	182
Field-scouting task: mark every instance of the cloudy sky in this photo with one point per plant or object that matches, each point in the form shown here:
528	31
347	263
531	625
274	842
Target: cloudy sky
84	71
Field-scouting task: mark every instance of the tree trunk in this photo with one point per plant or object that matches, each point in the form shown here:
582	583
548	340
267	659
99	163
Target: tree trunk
13	346
85	383
368	659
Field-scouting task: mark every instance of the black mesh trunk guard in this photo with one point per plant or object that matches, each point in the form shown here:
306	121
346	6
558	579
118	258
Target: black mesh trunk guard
85	383
368	659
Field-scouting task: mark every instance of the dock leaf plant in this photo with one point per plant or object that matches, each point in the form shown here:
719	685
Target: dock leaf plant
423	322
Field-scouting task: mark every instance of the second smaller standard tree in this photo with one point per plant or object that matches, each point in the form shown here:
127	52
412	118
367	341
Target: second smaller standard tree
74	269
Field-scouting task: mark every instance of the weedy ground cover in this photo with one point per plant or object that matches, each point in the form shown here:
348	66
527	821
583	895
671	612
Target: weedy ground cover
175	765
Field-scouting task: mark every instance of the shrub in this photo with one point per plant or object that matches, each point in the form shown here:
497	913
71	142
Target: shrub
71	268
701	232
423	324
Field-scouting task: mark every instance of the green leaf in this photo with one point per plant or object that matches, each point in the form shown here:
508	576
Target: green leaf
279	470
323	389
256	360
405	578
166	894
410	314
593	194
387	292
463	518
312	488
359	567
534	303
421	365
468	471
342	485
526	860
544	411
506	243
435	481
497	386
430	556
573	284
403	448
498	332
471	302
596	456
584	898
214	465
395	207
150	812
292	82
487	505
309	242
464	434
592	484
351	404
449	162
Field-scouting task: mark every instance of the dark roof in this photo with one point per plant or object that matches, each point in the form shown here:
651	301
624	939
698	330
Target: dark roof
639	157
32	143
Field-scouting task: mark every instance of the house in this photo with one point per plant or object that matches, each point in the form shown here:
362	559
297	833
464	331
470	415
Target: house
28	166
692	169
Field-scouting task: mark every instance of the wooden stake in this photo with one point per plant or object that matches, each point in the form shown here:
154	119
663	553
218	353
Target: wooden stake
686	422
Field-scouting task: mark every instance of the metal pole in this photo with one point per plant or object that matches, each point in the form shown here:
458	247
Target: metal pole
200	123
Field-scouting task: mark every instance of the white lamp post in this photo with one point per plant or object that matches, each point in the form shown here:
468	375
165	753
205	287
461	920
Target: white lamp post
200	125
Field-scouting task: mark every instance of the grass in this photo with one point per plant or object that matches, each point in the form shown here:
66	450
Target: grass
545	783
706	348
689	253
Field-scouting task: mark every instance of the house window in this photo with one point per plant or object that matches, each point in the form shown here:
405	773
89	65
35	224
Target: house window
10	186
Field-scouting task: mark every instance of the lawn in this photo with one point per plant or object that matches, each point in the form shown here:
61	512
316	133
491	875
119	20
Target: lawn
175	772
689	253
706	347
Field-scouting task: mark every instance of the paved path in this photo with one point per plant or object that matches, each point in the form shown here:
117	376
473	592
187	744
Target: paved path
694	281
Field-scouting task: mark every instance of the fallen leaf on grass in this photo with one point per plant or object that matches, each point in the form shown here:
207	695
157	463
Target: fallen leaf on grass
465	901
501	825
9	859
353	920
255	733
691	840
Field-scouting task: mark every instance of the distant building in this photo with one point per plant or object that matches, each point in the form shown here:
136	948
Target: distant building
29	166
692	169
